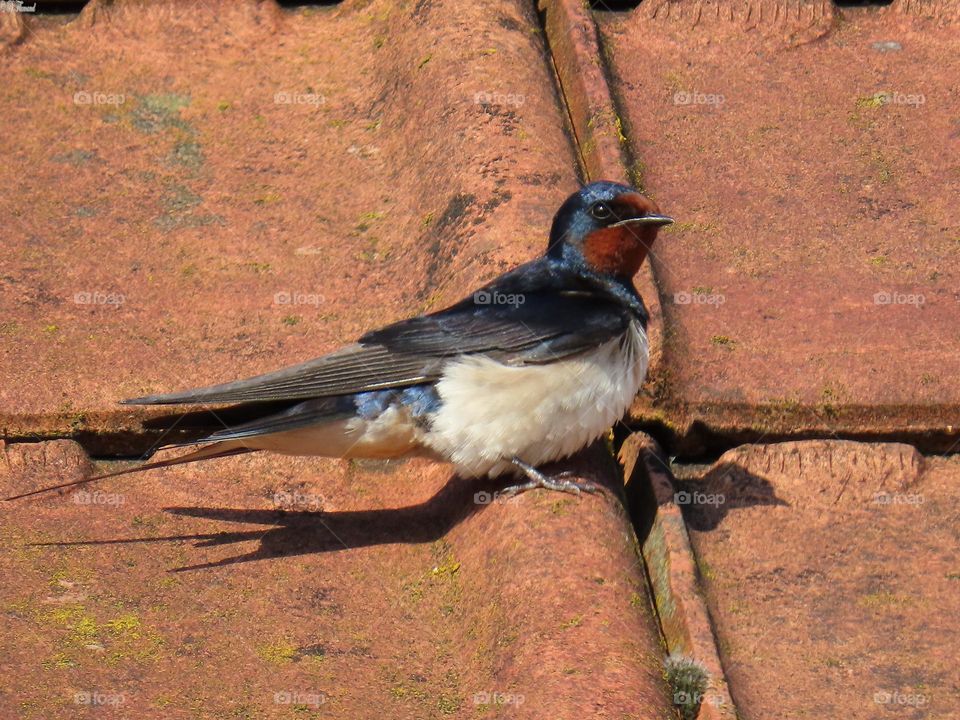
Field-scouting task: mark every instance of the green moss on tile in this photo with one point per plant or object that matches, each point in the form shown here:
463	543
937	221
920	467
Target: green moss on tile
156	113
259	268
723	341
688	681
59	661
279	652
706	571
575	621
126	626
449	704
268	198
884	600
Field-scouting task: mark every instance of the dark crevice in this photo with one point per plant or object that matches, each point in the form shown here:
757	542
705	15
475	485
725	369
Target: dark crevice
623	6
614	5
703	444
72	7
569	127
700	445
52	8
293	4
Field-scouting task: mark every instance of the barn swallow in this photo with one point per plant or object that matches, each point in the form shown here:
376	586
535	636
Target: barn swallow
529	369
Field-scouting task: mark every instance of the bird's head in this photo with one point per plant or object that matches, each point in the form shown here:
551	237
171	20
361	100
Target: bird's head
606	226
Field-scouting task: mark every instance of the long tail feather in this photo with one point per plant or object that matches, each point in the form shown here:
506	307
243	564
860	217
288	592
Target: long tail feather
216	450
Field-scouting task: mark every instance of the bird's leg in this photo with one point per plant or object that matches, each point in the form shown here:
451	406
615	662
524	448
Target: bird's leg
539	480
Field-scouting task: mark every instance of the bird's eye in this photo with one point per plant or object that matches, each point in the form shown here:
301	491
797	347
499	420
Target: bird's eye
601	211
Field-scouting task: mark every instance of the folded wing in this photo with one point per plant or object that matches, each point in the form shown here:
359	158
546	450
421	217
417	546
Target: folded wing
538	326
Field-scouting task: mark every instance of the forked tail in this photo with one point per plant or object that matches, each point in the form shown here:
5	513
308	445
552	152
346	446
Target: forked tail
216	450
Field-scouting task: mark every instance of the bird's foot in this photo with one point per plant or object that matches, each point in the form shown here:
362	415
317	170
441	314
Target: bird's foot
538	479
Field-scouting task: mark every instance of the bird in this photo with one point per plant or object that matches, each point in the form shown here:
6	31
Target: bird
529	369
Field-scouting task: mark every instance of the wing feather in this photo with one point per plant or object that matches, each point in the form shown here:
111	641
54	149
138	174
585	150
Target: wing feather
543	324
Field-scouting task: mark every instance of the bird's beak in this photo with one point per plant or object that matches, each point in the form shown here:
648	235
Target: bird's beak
655	220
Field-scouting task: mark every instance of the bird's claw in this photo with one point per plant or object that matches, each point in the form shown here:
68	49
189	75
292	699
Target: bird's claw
567	486
541	480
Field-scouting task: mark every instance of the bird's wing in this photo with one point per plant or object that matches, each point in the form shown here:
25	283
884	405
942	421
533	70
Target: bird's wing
546	326
355	368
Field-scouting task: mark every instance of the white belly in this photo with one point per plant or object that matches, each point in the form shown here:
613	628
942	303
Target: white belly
392	434
491	412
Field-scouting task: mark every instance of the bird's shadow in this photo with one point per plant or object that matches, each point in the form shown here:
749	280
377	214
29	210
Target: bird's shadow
707	501
704	500
290	533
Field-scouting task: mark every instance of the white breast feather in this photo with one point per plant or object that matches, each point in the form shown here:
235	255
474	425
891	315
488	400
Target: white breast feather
491	412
